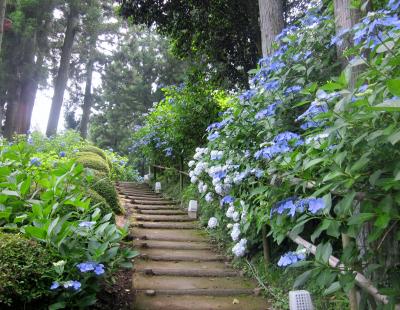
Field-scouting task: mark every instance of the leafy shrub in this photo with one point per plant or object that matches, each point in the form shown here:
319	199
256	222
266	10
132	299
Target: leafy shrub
25	270
43	198
105	187
98	201
308	150
93	161
94	149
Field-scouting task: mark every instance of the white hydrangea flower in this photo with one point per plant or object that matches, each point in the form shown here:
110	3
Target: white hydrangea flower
193	179
229	226
191	163
205	187
230	211
218	189
235	216
239	248
200	187
235	232
212	222
209	197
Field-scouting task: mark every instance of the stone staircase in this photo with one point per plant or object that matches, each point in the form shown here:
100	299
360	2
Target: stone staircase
178	269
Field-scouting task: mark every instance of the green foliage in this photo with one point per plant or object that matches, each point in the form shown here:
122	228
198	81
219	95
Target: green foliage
93	149
47	203
93	161
177	123
98	201
308	150
105	188
132	81
25	270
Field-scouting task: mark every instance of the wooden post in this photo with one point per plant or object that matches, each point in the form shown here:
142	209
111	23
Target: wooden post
266	250
180	174
353	292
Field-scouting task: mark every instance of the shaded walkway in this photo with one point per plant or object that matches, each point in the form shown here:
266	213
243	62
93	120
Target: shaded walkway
178	267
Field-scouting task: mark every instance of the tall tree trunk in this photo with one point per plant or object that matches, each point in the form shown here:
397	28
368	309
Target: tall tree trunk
346	17
63	71
271	23
30	88
3	4
88	99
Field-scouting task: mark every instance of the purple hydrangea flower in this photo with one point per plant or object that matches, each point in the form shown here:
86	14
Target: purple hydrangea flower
290	258
55	285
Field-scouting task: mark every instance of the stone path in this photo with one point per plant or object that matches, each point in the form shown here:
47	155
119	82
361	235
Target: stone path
178	268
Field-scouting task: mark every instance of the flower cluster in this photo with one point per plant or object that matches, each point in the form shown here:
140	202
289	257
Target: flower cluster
291	206
97	268
239	249
290	258
72	284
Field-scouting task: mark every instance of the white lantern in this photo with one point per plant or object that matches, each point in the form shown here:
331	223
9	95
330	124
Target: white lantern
158	187
192	210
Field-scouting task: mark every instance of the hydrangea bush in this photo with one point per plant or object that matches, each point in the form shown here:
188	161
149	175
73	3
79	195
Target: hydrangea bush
310	149
43	198
305	151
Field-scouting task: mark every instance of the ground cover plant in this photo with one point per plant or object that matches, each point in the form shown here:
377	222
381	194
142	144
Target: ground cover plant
59	239
311	150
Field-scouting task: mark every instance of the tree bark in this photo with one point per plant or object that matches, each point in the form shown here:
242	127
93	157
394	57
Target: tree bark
88	98
345	18
63	71
3	4
271	23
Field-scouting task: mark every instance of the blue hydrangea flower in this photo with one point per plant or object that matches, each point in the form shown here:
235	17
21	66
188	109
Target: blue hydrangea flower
271	85
35	162
313	110
268	111
55	285
75	285
213	136
62	154
290	258
226	200
62	144
247	95
310	124
86	224
293	89
99	269
86	266
315	205
394	5
168	151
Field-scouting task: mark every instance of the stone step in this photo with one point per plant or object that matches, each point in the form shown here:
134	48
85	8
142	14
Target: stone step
140	264
191	302
181	255
158	283
153	207
165	225
192	235
173	245
179	272
161	212
162	218
149	202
